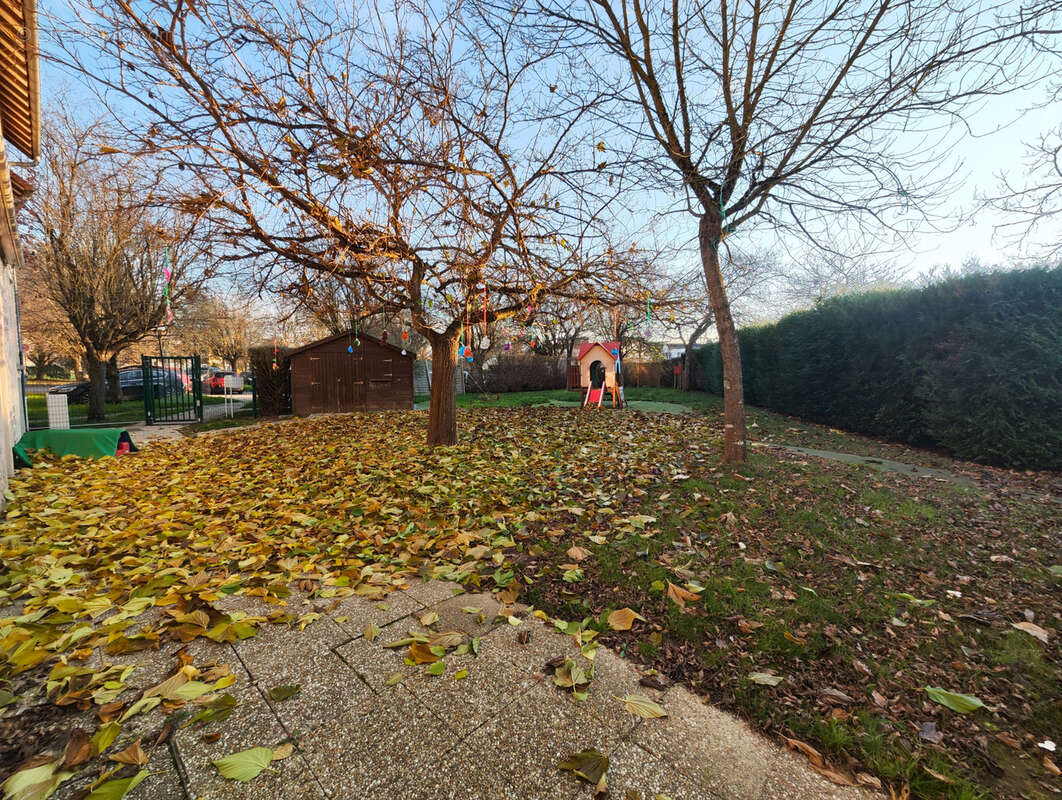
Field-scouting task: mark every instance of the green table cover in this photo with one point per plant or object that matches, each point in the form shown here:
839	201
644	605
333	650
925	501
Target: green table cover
85	442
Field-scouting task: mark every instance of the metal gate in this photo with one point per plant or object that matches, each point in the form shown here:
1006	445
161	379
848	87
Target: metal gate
173	391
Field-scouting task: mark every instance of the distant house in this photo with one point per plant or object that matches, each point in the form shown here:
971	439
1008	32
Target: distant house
350	373
20	127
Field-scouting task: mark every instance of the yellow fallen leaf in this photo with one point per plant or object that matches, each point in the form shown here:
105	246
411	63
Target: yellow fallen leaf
622	619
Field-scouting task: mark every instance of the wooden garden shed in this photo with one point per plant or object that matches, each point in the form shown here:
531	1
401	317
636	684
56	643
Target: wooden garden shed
340	374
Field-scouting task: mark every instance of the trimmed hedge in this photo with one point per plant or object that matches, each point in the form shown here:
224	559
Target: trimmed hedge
972	365
272	386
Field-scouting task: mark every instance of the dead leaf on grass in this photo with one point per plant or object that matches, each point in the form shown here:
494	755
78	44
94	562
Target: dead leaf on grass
813	755
623	619
1031	629
681	596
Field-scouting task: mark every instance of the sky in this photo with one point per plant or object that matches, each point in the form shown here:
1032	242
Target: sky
1000	130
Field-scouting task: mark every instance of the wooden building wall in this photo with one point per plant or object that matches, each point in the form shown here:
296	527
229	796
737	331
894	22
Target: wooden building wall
325	378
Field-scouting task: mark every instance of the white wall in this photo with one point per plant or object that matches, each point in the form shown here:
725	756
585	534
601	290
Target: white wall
11	427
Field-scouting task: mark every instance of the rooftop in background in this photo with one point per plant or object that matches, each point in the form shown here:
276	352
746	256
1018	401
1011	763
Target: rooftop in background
19	77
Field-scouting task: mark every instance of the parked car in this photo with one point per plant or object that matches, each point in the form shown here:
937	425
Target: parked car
215	384
166	381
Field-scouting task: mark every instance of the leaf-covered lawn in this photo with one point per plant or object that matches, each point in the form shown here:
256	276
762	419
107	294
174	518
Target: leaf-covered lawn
817	599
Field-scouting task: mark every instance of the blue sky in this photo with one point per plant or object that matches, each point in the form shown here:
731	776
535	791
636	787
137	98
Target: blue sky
1000	130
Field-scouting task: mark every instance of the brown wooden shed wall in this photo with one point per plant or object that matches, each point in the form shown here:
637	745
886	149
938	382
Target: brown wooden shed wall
325	378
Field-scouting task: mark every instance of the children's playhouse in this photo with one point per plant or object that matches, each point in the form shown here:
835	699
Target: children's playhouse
601	374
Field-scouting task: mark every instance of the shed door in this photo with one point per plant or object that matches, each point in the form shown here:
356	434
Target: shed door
317	387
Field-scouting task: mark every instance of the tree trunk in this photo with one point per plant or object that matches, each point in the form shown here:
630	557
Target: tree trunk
734	434
114	383
97	371
687	362
442	411
232	363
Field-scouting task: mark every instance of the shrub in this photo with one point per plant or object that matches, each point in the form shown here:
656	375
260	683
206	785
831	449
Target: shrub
522	372
972	365
272	386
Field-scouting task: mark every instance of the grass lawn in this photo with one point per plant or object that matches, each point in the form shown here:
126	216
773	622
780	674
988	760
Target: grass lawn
127	411
817	599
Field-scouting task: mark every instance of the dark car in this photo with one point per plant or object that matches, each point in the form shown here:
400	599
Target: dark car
131	379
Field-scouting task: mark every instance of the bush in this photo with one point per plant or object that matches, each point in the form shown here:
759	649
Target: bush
972	365
521	372
272	386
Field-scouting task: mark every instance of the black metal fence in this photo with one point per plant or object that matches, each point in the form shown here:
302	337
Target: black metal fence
173	391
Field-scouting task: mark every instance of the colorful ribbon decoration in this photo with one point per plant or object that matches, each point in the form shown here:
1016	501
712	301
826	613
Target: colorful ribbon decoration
168	274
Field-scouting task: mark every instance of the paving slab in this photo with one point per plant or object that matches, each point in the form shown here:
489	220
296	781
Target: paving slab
376	747
715	749
495	734
430	593
353	614
636	773
251	724
528	739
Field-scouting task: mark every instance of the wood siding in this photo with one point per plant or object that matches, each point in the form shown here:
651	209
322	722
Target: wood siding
325	378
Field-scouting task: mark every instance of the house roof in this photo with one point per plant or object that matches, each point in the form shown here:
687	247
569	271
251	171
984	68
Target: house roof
19	77
586	347
344	335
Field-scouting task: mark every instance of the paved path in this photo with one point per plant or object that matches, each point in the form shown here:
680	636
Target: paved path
882	464
496	734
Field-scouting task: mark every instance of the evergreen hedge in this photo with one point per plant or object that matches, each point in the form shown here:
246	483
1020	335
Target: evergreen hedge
972	365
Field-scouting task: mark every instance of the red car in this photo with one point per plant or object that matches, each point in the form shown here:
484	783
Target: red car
216	383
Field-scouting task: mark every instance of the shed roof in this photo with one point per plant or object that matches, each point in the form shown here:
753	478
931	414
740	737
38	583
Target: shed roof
344	335
586	347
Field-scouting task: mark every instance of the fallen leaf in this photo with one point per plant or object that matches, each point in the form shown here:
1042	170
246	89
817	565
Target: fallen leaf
280	693
833	776
962	703
766	679
642	706
813	755
622	619
428	619
1032	630
281	752
371	632
116	789
78	749
576	553
1051	767
589	766
680	596
133	754
245	765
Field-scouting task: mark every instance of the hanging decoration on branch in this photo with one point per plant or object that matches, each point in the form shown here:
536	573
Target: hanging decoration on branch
484	343
275	365
648	313
168	274
357	341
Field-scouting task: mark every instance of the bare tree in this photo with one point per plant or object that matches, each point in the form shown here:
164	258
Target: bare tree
46	331
1032	202
101	250
820	274
559	325
416	152
797	116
